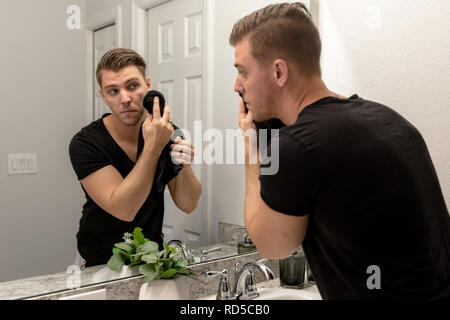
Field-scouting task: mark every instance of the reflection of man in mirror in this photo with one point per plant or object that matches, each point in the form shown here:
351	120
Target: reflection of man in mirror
120	184
356	185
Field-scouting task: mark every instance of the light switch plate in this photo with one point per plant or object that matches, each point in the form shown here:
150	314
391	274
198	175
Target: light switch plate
22	163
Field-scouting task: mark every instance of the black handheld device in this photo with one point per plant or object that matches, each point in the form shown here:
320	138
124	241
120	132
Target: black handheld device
150	98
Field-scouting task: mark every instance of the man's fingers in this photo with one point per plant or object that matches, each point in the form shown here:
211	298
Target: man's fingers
156	112
166	114
242	110
148	119
179	157
182	149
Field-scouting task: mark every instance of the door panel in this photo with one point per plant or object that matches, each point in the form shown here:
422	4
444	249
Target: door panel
175	67
104	40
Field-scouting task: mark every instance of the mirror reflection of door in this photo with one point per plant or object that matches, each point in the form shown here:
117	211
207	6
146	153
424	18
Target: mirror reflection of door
175	66
104	40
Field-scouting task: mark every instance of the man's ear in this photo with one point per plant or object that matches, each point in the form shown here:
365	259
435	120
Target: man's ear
148	83
280	72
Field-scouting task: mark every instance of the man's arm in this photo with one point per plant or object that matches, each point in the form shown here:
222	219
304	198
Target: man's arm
185	188
123	198
275	234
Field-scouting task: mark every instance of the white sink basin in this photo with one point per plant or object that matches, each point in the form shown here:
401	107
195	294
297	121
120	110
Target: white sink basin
288	294
308	293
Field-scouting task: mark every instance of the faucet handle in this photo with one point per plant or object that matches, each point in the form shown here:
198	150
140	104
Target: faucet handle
250	286
224	292
205	252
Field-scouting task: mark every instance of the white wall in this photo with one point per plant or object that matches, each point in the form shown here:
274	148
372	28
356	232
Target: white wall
396	53
43	104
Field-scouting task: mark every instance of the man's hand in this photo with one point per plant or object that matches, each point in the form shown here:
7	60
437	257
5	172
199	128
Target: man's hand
250	137
182	152
245	119
157	130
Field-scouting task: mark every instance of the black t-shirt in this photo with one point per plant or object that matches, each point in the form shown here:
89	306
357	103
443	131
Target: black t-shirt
364	176
91	149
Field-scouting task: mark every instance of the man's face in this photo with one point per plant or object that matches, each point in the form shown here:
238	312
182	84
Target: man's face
124	91
254	82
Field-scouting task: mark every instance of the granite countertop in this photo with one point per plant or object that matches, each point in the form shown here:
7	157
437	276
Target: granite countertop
63	281
29	287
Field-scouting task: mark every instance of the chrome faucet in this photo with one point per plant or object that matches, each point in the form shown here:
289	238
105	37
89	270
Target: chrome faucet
187	254
224	292
244	281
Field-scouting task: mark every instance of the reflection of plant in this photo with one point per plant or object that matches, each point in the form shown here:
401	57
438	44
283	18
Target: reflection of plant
136	250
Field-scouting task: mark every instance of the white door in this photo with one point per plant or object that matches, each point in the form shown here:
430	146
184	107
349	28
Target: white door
175	66
104	40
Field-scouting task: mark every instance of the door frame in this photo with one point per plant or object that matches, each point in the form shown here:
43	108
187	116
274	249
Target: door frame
105	18
139	44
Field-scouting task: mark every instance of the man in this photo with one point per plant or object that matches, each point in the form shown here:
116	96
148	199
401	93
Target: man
119	186
355	186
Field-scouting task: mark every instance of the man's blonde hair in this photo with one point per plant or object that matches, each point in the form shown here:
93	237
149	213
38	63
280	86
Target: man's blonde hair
116	59
285	31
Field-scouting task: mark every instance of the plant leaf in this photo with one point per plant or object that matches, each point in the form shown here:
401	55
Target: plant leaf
166	247
150	277
168	274
116	262
139	238
180	264
124	246
166	263
147	247
150	258
117	250
135	263
147	269
184	271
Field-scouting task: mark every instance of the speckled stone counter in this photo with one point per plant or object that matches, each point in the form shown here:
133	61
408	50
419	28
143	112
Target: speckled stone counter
199	284
57	282
60	284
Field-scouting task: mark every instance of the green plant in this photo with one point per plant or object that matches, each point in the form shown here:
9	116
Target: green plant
137	250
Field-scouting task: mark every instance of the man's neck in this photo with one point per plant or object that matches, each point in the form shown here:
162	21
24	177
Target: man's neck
127	134
302	95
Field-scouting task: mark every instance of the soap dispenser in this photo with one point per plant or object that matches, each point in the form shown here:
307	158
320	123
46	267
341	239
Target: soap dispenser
292	270
246	246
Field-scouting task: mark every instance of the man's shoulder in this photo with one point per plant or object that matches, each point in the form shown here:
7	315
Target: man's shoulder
87	135
92	129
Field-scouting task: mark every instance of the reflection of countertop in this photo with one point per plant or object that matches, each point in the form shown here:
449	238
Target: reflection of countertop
225	251
24	288
58	282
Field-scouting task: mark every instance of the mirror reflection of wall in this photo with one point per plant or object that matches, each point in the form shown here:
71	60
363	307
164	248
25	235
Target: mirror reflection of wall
392	52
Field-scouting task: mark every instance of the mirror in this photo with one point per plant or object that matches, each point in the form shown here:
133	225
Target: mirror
49	90
392	53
